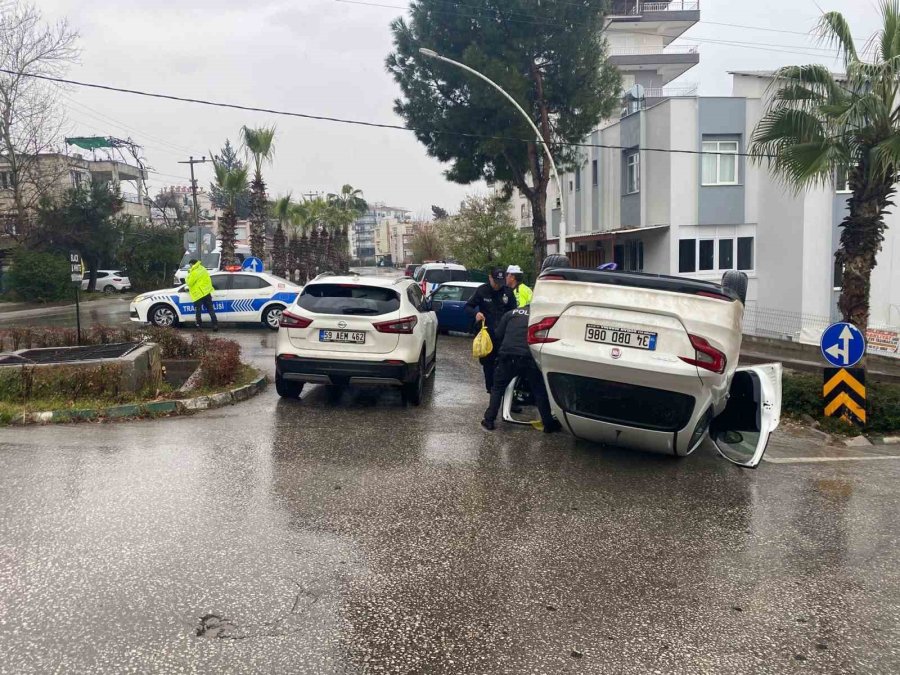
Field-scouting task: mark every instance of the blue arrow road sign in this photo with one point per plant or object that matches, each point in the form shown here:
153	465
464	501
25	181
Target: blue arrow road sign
843	345
252	264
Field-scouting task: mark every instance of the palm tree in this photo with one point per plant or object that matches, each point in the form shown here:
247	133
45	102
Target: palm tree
232	182
819	125
282	210
352	205
260	145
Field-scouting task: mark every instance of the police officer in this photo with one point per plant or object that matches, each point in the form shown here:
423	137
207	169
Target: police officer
200	287
514	279
515	360
488	304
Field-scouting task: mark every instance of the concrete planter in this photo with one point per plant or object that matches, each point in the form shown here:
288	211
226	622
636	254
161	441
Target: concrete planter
151	409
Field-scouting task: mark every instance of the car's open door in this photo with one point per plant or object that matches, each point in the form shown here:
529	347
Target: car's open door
753	412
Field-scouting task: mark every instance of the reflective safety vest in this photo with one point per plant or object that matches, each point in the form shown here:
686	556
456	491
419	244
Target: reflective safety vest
523	295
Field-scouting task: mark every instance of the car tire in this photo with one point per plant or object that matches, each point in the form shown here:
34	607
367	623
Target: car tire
287	389
109	289
555	260
272	314
162	316
413	392
736	281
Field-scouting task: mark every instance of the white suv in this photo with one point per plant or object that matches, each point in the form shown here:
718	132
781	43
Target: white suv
357	330
432	274
651	362
108	281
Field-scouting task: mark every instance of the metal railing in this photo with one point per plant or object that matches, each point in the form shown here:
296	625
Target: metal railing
808	328
687	89
638	7
653	49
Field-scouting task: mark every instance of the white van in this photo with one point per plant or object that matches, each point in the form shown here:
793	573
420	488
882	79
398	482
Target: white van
211	261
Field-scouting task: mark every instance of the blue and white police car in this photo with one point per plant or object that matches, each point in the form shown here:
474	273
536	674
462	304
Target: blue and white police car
240	296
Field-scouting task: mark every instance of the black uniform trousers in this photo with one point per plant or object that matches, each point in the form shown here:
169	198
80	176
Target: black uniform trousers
510	367
489	363
205	301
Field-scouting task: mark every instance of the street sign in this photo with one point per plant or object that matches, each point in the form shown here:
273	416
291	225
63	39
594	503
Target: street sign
845	394
252	264
76	267
843	345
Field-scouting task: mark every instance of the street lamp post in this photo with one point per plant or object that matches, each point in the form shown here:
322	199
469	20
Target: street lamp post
540	139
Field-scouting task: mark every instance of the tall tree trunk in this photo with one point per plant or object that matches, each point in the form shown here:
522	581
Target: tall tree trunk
861	235
279	253
539	227
325	246
315	253
228	233
293	257
258	216
303	257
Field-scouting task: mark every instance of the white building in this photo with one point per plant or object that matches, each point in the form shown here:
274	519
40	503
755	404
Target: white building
363	232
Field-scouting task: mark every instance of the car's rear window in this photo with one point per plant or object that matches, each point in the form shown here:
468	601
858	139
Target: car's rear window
444	276
619	403
348	299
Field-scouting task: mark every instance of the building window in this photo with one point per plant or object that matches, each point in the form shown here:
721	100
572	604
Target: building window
726	254
720	168
6	181
687	255
745	253
707	257
595	175
577	178
838	280
632	173
842	179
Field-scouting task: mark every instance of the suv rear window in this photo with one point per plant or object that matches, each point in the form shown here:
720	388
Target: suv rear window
444	276
348	299
618	403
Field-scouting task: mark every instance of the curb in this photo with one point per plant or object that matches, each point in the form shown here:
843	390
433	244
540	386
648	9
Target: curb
152	409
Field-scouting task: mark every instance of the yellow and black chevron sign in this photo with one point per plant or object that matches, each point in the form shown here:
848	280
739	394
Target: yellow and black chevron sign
845	394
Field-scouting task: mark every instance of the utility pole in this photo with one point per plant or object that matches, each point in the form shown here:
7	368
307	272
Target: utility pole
193	161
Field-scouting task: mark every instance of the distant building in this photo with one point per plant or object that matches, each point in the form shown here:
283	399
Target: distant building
54	173
363	231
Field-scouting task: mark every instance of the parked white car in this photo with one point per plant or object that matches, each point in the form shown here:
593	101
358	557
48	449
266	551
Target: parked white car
108	281
431	275
357	330
651	362
242	297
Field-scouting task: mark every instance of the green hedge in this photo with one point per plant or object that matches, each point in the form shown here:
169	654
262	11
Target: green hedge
39	277
802	395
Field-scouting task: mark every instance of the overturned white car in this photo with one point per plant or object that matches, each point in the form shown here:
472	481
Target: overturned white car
651	362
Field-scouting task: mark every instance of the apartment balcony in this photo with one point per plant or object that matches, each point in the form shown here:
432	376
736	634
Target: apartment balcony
669	62
669	19
654	95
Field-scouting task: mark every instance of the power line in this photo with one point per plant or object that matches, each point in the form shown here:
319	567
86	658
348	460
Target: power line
798	50
341	120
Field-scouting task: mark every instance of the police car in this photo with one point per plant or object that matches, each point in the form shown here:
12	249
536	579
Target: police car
242	297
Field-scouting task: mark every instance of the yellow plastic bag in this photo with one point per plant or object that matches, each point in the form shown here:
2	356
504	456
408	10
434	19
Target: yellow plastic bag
482	345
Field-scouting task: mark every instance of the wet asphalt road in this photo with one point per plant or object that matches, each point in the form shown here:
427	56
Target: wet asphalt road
360	536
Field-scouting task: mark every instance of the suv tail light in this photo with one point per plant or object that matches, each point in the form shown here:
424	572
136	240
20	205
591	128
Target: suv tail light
705	355
405	325
289	320
538	333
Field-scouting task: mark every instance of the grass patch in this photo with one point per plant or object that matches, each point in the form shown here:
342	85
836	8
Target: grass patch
802	395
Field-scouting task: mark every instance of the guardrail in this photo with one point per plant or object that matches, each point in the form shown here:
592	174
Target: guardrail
637	7
669	92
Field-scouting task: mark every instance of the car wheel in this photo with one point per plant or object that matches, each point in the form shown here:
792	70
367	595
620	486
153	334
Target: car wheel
162	316
287	389
272	317
737	282
413	391
109	290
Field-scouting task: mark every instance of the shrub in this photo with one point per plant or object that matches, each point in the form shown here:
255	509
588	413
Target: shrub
18	385
171	344
220	360
41	277
802	395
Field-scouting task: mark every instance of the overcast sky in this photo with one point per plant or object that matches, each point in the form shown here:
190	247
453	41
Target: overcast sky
326	57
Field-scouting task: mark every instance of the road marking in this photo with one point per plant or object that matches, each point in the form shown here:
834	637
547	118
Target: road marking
814	460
